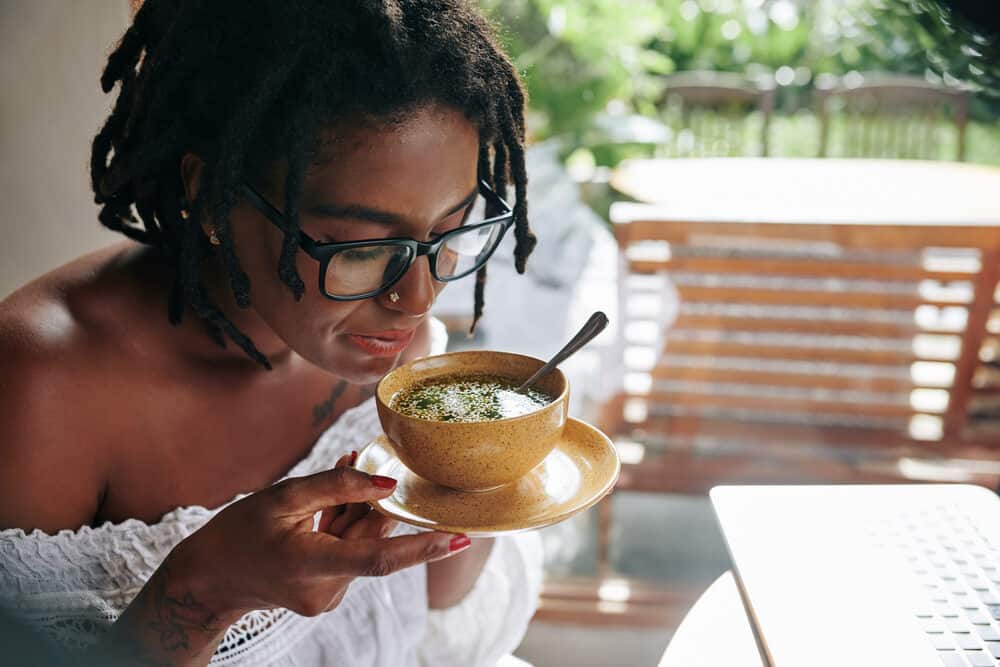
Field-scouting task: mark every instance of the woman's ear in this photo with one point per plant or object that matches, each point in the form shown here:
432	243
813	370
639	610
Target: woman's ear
192	168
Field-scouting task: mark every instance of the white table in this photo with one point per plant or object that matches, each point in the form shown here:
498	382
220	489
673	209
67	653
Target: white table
824	191
714	632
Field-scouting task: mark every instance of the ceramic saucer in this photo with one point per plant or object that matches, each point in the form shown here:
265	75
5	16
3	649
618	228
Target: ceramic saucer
581	470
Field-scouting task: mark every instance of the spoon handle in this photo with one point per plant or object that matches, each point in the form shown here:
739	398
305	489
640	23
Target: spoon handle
587	332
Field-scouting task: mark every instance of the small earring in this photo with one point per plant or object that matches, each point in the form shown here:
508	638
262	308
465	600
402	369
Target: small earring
212	237
393	296
185	214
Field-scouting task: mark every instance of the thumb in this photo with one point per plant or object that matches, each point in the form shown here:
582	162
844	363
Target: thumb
306	495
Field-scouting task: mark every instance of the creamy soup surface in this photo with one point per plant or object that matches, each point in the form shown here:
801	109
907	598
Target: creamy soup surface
468	398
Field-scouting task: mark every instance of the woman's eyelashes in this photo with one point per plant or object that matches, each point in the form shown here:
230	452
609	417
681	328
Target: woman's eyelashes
365	254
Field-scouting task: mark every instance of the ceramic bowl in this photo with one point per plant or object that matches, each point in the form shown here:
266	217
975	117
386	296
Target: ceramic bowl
473	456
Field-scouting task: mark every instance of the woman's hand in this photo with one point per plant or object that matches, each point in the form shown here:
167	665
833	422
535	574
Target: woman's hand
340	520
262	552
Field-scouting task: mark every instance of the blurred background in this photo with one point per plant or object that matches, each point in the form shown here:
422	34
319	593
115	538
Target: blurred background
591	64
618	90
625	98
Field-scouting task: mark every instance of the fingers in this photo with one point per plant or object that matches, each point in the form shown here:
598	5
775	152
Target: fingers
326	489
327	516
330	514
347	460
375	525
378	557
348	517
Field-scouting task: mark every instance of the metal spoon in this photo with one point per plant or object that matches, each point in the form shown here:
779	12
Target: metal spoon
587	332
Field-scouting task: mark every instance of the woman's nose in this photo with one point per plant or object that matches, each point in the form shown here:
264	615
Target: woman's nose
414	293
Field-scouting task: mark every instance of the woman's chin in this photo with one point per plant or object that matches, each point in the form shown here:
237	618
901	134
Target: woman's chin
376	367
360	369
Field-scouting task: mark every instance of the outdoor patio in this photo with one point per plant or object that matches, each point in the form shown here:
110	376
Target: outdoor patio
788	210
755	79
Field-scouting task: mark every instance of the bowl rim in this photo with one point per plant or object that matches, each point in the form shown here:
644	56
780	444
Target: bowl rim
560	398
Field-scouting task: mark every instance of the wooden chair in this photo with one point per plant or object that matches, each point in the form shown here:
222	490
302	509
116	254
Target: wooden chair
800	353
709	113
880	115
805	352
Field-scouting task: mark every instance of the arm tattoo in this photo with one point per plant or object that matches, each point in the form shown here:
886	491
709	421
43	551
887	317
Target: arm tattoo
166	630
177	616
324	410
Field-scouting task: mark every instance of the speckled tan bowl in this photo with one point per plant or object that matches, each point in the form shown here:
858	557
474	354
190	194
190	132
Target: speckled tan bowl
473	456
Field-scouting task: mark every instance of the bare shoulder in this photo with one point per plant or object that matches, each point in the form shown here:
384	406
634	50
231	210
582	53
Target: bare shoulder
54	407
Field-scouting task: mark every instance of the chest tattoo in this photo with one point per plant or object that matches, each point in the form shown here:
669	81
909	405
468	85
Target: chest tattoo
323	410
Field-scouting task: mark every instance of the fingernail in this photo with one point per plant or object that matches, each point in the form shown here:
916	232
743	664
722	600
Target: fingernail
459	542
383	482
354	458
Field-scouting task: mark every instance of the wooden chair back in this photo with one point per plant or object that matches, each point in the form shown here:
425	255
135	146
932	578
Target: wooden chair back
799	352
812	343
710	114
890	116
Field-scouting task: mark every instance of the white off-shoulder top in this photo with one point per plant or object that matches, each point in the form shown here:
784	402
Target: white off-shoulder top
74	585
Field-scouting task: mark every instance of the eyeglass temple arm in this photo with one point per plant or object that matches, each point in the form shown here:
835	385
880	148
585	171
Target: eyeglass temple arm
490	194
274	215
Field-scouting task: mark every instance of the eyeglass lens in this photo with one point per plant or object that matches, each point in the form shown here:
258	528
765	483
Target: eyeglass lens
364	269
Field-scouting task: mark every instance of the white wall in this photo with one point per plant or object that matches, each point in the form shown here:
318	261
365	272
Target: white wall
52	53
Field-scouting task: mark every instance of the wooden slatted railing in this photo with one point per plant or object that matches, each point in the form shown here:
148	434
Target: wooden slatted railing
741	331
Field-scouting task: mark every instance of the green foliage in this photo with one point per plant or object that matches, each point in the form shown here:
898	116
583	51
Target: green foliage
578	56
961	38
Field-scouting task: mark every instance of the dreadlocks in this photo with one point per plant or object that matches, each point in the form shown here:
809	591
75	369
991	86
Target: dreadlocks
243	83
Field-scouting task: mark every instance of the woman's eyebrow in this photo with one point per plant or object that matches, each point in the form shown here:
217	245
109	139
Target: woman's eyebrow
378	216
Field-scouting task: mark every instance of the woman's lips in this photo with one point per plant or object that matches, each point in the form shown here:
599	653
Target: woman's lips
382	343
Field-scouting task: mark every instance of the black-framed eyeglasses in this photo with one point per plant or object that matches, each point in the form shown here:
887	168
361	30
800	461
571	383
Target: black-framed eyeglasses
355	270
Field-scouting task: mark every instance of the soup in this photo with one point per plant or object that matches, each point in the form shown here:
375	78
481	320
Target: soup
468	398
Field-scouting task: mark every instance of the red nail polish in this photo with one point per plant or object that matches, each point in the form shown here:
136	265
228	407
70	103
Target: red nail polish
354	458
383	482
459	542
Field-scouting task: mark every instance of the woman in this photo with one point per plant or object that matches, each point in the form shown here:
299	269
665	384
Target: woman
298	181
